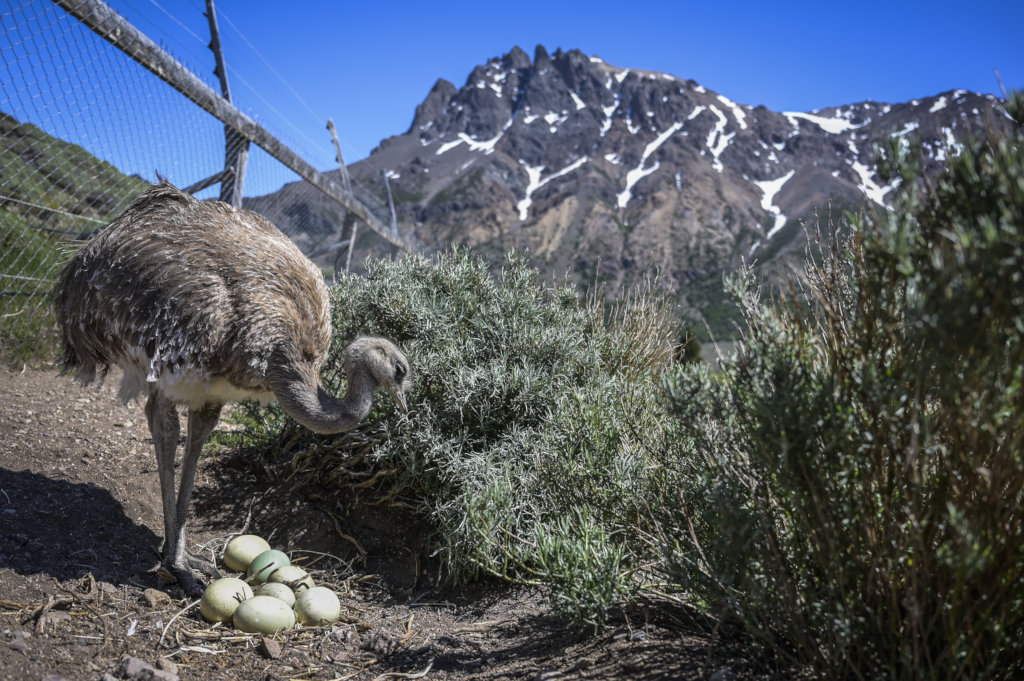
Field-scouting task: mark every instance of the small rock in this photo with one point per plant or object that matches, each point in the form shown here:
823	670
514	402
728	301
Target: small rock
155	598
270	648
547	675
108	677
52	619
381	644
52	677
723	674
19	645
342	635
132	667
166	665
156	675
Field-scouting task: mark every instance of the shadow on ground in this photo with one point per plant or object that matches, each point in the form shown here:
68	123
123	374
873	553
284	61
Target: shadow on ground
67	530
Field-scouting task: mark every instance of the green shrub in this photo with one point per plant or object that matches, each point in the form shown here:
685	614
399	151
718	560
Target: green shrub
854	477
533	419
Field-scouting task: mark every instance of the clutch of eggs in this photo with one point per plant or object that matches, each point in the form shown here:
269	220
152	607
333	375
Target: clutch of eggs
284	593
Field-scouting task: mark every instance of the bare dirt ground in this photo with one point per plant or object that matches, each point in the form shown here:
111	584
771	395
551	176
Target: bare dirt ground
80	534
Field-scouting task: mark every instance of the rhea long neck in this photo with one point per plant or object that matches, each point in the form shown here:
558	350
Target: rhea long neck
308	403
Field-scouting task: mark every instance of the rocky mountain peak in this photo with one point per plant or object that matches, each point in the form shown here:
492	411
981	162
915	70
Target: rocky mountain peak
434	105
605	173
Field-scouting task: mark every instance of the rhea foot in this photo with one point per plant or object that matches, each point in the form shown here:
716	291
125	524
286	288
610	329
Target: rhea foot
181	571
202	565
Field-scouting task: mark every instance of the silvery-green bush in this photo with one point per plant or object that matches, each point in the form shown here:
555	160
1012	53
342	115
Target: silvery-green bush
533	420
854	475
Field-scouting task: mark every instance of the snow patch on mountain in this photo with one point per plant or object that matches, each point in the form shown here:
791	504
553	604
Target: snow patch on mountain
834	126
737	111
908	128
769	189
718	141
448	146
640	172
868	186
555	119
536	182
486	146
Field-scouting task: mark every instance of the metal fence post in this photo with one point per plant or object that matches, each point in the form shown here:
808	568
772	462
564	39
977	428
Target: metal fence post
236	147
349	226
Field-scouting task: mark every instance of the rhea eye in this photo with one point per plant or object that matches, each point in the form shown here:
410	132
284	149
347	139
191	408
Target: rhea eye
400	371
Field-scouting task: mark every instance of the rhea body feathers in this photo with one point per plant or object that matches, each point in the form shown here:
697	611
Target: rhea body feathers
201	304
196	296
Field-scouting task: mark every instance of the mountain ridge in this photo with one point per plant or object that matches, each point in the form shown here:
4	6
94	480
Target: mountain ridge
605	174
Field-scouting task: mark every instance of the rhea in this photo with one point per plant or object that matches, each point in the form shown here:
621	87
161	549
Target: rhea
201	304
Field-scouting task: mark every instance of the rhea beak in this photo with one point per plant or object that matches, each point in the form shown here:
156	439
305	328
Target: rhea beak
399	397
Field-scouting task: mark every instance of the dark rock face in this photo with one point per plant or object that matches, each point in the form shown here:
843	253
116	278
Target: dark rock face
608	173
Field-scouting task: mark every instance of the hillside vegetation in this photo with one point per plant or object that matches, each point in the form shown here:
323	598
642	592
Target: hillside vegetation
848	485
52	192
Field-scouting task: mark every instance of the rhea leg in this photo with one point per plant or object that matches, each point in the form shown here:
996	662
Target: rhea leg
165	428
201	423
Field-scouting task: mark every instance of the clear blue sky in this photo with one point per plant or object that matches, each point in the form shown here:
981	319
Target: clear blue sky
368	64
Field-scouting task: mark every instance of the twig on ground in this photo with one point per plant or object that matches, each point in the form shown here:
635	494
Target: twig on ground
176	616
401	675
337	527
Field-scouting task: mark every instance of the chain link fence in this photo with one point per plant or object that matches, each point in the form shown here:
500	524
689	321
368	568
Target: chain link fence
83	128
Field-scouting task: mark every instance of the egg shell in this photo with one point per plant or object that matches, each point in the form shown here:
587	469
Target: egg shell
222	597
295	577
263	565
242	549
277	590
317	606
263	615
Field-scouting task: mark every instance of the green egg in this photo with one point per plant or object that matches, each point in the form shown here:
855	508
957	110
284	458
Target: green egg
222	597
263	565
295	577
263	615
317	606
279	591
242	549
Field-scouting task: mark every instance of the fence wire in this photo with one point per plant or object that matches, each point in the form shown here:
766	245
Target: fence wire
83	129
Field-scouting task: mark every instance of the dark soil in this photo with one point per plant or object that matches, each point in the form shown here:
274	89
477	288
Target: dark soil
80	534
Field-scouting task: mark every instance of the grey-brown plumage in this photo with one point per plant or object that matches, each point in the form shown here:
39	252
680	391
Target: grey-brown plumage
202	304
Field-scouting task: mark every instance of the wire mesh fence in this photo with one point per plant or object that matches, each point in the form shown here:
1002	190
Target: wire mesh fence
83	128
